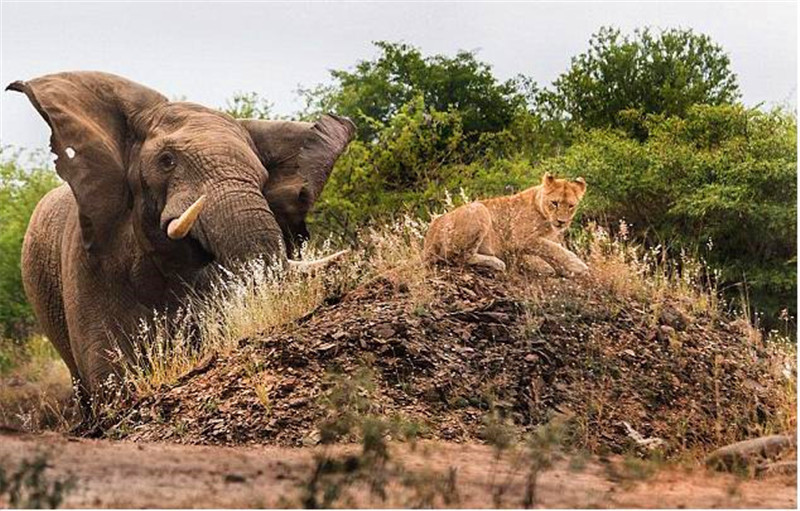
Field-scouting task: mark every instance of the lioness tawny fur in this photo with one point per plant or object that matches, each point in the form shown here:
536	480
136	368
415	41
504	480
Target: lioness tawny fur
529	223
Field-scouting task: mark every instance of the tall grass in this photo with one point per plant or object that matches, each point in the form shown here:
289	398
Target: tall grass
259	297
629	270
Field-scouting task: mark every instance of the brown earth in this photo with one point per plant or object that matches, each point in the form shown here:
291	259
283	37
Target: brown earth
524	349
474	358
125	474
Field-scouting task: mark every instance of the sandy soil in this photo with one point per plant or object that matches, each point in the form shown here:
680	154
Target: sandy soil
125	474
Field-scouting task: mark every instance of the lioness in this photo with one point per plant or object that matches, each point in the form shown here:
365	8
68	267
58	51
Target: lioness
530	223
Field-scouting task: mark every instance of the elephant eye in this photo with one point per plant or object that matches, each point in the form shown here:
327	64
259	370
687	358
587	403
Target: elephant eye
167	161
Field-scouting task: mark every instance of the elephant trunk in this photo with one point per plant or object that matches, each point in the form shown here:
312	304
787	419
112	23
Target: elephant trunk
237	226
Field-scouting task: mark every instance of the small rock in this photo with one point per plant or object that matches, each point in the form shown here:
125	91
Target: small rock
665	333
297	403
384	331
312	438
235	478
777	468
745	453
674	318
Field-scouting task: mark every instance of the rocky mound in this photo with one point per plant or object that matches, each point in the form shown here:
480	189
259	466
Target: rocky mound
622	369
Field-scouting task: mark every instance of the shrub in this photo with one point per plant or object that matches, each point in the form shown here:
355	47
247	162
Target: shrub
20	191
720	183
376	90
619	79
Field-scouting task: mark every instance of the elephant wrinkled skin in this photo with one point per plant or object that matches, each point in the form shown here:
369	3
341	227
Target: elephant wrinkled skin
117	241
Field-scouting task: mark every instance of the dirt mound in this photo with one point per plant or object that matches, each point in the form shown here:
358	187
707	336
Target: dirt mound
620	368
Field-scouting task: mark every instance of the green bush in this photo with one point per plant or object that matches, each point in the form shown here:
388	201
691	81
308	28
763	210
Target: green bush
720	183
417	158
20	191
621	78
376	90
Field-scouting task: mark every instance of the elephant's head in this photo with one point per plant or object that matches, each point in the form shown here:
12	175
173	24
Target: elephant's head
195	184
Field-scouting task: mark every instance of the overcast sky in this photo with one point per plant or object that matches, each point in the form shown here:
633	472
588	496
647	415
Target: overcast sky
206	52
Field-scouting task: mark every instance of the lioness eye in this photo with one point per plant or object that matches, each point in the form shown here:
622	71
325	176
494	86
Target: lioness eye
554	203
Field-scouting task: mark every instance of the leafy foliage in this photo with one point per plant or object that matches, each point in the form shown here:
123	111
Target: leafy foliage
649	120
620	79
249	105
377	90
720	182
20	191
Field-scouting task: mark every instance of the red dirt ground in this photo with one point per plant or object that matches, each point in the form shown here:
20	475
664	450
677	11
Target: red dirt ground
124	474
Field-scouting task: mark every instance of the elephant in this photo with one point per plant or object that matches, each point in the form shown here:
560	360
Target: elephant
156	193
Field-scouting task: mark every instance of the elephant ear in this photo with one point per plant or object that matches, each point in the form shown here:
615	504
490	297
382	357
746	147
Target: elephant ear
299	157
91	118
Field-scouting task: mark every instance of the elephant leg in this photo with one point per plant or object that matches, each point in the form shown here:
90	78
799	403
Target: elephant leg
54	327
101	331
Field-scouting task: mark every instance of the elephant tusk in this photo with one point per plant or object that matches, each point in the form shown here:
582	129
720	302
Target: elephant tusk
180	227
307	266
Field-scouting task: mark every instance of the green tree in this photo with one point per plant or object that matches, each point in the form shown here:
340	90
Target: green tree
249	105
620	79
20	191
377	89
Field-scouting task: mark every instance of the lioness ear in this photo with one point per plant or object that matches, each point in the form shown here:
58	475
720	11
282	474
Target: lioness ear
581	184
548	180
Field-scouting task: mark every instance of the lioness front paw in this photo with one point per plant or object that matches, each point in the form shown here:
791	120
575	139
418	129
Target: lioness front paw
577	267
487	261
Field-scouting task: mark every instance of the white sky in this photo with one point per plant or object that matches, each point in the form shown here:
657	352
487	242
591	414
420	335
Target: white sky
207	51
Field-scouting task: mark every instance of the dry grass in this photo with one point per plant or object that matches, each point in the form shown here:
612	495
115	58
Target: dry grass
684	290
35	392
629	271
259	297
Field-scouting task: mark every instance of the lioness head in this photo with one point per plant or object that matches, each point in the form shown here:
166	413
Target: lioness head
559	199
